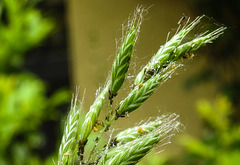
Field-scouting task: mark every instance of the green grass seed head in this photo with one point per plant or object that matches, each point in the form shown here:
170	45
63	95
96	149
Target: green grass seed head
131	134
133	151
67	146
131	145
141	93
174	49
122	61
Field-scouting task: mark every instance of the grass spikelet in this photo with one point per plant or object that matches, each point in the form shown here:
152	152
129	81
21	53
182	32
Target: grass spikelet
164	53
133	151
68	143
174	48
141	93
197	43
124	55
131	134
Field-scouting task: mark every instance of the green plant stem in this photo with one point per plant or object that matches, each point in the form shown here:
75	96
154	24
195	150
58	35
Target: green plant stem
90	120
106	127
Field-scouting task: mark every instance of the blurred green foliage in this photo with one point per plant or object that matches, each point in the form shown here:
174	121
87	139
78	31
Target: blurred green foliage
21	28
24	105
220	143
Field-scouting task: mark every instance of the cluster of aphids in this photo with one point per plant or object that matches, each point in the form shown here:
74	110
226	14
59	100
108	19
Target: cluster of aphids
187	56
111	96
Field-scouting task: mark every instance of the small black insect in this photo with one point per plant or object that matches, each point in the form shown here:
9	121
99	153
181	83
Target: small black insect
150	72
97	139
113	143
181	20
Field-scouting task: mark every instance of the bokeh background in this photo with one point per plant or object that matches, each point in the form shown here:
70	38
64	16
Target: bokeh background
47	48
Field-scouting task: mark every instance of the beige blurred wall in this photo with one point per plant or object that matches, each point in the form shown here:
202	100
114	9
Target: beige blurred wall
93	28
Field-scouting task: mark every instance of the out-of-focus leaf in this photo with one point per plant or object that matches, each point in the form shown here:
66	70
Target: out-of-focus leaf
216	115
23	29
196	147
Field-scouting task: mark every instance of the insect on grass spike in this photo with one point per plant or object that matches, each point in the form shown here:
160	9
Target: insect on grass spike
139	86
141	131
181	20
